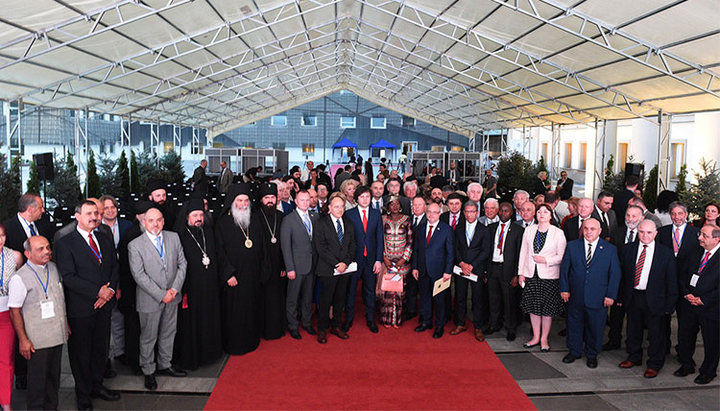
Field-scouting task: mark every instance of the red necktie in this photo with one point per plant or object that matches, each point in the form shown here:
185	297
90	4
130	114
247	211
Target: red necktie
365	230
454	221
502	236
639	266
95	248
429	235
676	240
704	261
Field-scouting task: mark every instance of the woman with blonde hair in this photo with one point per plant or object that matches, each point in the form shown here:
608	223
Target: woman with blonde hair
347	188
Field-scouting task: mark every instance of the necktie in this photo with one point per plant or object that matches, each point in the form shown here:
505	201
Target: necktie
704	261
630	236
32	229
415	221
429	235
639	266
580	234
676	240
308	226
364	221
340	231
605	219
94	247
454	222
589	255
501	237
159	247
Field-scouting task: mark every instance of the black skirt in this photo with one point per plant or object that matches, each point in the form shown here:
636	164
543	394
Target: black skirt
542	297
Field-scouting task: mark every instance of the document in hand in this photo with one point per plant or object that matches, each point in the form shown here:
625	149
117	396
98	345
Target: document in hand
457	270
351	268
440	286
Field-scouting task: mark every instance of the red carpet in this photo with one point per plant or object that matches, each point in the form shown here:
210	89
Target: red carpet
395	369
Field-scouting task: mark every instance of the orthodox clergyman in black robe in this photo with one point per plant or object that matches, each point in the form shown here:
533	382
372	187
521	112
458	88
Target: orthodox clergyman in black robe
272	280
239	242
198	340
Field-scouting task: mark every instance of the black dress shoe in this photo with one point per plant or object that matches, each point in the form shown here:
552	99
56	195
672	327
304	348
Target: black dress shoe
105	394
172	372
109	370
322	337
422	327
528	345
346	327
150	382
684	372
569	358
592	362
310	330
295	334
20	382
372	326
340	333
609	346
703	379
510	336
438	333
84	405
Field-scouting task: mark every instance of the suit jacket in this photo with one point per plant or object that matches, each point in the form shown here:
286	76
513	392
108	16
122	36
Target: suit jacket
82	275
567	188
707	285
476	254
572	228
689	245
330	251
662	290
15	233
438	257
420	222
153	277
620	202
404	204
553	251
607	230
373	239
511	252
225	180
200	180
445	218
590	285
298	249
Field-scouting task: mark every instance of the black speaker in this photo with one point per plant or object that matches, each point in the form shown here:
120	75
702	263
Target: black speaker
44	164
634	169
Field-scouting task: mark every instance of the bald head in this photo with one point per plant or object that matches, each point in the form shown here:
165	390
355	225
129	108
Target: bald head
154	221
585	207
647	230
591	229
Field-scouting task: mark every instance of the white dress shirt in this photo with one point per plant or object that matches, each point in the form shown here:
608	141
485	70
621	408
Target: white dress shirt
593	247
377	203
115	228
85	235
26	226
470	231
335	221
418	218
497	252
649	253
427	227
627	235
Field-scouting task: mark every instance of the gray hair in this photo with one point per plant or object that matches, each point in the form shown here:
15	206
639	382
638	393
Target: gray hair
26	201
471	204
676	204
26	244
474	185
492	200
410	184
520	192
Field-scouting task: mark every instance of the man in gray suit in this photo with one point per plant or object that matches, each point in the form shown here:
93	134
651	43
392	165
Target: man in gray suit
225	179
298	251
157	263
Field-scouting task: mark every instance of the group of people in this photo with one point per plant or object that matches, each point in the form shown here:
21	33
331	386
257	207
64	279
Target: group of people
176	288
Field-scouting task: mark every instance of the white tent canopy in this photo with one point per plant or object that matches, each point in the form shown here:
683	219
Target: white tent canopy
464	65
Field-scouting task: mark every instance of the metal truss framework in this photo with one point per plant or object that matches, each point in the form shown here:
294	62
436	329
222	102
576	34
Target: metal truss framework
664	122
420	60
82	144
13	129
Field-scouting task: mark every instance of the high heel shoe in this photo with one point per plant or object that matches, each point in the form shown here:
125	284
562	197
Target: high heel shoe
545	349
528	345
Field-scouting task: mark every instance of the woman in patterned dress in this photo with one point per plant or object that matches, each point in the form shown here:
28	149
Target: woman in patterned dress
398	249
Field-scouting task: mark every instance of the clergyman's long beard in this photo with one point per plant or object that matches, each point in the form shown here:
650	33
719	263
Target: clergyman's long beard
241	217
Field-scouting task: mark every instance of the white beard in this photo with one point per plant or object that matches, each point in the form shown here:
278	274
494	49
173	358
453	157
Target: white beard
241	217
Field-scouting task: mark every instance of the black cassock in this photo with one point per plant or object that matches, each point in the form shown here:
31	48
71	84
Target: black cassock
272	286
240	307
126	303
198	340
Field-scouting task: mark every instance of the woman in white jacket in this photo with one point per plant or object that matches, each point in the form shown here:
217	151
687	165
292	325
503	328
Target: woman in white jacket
541	253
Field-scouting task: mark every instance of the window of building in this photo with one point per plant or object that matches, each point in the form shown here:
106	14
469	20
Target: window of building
278	146
408	121
583	156
378	122
308	120
308	149
278	121
622	154
677	158
568	155
347	122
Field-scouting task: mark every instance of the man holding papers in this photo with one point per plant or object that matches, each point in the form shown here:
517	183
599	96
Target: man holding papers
334	239
433	257
472	249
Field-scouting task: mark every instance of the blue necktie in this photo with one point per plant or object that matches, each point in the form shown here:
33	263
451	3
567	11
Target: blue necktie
33	233
308	226
340	231
159	247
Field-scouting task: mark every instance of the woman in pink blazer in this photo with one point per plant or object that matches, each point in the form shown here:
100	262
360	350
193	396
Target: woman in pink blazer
543	246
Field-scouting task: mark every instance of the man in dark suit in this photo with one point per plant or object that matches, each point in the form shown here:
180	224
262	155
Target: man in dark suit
682	238
296	233
433	258
454	216
411	290
699	297
623	195
589	283
72	226
88	266
502	270
564	186
649	291
200	178
334	239
393	187
603	212
472	246
572	226
369	241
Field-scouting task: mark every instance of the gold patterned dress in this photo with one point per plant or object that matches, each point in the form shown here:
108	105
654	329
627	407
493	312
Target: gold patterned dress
398	245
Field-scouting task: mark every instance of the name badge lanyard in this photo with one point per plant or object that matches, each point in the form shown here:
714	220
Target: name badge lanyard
677	240
2	271
47	279
97	254
702	266
161	251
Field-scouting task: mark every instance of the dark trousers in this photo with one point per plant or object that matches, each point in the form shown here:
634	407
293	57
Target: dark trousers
88	350
615	320
585	325
692	320
20	362
425	286
368	291
639	318
43	374
461	290
502	300
334	291
411	295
